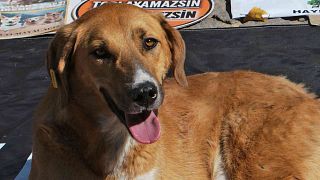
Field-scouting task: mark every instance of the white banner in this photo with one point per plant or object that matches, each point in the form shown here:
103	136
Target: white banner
24	18
276	8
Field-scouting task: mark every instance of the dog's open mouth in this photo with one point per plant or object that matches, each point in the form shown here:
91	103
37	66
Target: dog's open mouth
144	127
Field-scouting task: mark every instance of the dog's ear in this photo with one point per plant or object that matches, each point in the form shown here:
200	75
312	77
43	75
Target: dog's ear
177	48
59	58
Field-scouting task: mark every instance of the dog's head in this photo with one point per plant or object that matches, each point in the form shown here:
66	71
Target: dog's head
52	17
10	21
33	20
124	53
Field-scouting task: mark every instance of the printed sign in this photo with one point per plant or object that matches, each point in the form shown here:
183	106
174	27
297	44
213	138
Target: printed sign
179	13
276	8
22	18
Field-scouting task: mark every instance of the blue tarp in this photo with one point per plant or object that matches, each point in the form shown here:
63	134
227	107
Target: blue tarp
291	51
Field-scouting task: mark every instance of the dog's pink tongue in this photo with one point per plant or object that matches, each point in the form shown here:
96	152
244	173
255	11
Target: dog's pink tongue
145	131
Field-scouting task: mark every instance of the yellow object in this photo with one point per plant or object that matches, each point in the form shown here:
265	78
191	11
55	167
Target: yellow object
255	14
53	79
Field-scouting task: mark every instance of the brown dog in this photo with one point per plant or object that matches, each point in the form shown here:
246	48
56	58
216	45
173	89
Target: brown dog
106	108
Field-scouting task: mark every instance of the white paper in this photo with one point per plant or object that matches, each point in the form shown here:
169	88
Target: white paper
1	145
25	171
276	8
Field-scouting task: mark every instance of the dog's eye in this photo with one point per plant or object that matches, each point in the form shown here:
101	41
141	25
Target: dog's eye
150	43
102	54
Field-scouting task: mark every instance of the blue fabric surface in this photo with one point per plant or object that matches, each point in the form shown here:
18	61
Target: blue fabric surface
290	51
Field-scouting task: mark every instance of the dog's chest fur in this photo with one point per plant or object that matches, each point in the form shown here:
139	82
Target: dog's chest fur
133	162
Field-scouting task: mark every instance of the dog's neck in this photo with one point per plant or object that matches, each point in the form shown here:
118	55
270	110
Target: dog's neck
105	140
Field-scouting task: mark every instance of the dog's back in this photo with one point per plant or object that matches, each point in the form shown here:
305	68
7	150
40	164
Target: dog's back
249	124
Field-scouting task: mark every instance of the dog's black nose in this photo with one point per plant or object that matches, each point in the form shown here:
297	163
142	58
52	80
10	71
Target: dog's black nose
145	94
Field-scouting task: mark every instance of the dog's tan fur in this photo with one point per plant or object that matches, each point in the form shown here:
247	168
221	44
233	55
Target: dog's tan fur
246	125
